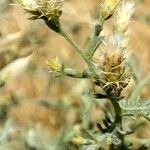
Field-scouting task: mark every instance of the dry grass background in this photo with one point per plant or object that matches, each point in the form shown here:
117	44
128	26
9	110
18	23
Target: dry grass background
20	37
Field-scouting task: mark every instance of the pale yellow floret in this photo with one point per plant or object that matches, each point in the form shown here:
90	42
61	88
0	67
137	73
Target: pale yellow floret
48	8
108	7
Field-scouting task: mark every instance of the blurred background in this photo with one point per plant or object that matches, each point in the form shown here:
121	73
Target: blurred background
37	105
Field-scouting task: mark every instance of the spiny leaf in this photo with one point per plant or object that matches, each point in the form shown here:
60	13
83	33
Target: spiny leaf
141	108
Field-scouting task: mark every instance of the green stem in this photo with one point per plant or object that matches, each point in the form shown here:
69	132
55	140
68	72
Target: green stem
80	51
94	41
73	43
75	74
118	121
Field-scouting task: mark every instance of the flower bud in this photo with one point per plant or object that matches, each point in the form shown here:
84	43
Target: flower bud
79	140
54	65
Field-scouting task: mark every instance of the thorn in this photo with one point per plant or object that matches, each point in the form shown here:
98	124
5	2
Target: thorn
105	123
99	126
108	119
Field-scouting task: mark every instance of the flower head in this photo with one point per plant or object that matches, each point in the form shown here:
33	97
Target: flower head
31	5
123	16
51	8
42	8
114	69
108	7
122	21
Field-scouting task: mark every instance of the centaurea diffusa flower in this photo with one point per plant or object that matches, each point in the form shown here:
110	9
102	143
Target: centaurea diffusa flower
29	5
48	10
123	16
114	69
42	8
107	8
122	20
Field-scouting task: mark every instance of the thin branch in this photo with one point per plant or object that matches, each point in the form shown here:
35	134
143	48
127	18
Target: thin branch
73	43
94	41
75	74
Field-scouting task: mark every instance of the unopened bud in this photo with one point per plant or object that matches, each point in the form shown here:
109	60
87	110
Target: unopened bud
54	65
